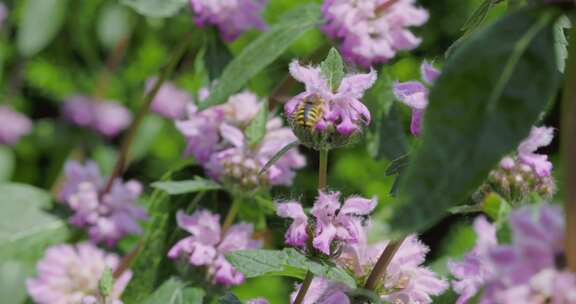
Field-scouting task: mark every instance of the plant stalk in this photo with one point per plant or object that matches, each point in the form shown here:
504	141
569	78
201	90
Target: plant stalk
232	212
568	142
120	165
304	287
381	265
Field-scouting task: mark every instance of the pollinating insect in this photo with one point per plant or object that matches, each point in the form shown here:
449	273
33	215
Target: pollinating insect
309	112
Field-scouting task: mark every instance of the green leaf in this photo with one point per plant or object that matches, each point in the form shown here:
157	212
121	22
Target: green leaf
198	184
257	127
560	41
113	24
146	136
397	165
106	282
279	155
6	164
479	15
289	263
174	291
217	55
479	111
229	298
39	23
156	8
262	51
332	68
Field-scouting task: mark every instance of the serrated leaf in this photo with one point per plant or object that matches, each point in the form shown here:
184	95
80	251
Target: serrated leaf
156	8
479	111
332	68
174	291
257	127
198	184
6	164
113	24
560	41
262	51
288	262
279	155
39	23
216	56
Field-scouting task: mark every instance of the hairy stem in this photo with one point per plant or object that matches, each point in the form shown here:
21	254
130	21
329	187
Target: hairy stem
146	101
384	260
304	287
568	140
232	212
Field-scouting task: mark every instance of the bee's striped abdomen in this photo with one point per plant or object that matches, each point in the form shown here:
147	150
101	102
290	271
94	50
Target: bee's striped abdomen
308	113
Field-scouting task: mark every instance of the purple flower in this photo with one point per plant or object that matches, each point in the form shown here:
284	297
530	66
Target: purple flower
170	101
107	216
232	17
105	117
323	291
472	272
372	31
69	273
539	137
333	221
13	125
206	245
415	95
257	301
342	108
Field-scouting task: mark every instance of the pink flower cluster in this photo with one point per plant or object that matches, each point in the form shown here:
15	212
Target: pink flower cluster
107	216
13	125
105	117
232	17
405	281
170	101
526	271
69	274
216	139
333	221
415	95
207	245
372	31
341	109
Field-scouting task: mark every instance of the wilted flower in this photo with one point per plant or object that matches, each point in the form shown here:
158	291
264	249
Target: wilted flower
232	17
207	245
322	118
68	274
216	139
415	95
372	31
527	270
105	117
13	125
170	101
107	216
333	221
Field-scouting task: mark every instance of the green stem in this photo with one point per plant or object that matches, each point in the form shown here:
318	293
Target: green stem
146	101
323	170
232	212
381	265
304	287
568	141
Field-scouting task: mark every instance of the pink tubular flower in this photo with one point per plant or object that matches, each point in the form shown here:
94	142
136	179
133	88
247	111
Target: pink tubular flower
539	137
232	17
296	235
107	216
342	108
372	31
170	101
216	139
68	274
105	117
206	245
257	301
13	126
322	291
415	95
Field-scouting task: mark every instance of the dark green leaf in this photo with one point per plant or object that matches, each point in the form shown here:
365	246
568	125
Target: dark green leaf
229	298
198	184
397	165
479	111
106	282
216	55
479	15
278	155
174	291
262	51
156	8
332	69
39	23
6	164
257	127
113	24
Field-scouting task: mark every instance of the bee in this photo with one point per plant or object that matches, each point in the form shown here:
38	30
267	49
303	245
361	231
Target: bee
309	112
